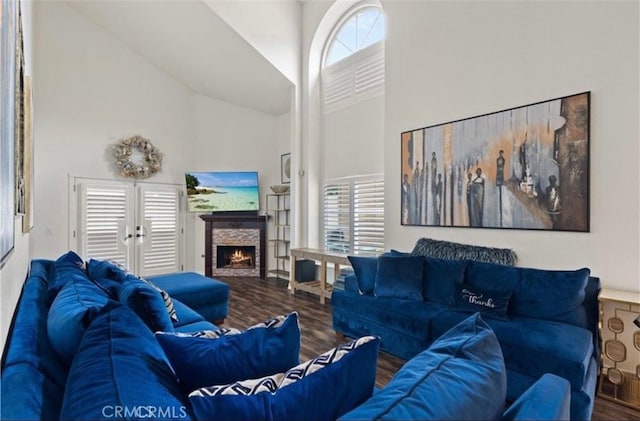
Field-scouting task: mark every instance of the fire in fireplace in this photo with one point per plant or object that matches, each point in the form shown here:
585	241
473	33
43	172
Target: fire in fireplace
236	257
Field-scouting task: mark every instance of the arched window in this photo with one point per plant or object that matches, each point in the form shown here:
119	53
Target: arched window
353	65
352	85
363	28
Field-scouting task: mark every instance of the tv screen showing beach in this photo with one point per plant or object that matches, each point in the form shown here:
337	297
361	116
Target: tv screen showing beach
222	191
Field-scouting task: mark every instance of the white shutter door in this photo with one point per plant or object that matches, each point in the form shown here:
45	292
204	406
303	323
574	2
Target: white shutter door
337	217
368	217
105	220
159	228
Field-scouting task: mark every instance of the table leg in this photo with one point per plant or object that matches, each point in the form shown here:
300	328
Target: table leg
323	280
292	276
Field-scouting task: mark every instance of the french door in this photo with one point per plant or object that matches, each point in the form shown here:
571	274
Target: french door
139	225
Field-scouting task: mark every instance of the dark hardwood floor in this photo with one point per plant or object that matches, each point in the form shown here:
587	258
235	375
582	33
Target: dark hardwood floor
254	300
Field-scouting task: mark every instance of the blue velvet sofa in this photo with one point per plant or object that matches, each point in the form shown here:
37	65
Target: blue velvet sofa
119	370
545	321
57	303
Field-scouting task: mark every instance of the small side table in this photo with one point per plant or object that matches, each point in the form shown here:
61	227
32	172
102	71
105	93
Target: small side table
620	356
319	287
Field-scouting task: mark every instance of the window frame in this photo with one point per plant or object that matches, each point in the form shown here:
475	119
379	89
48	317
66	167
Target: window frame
349	14
349	244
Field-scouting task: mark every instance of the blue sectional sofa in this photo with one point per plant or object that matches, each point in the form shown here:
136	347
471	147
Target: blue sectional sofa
545	321
107	364
58	301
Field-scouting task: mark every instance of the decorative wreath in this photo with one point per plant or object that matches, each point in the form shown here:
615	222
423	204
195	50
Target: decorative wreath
151	157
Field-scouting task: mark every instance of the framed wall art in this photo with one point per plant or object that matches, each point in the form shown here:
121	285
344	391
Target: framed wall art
522	168
285	168
8	39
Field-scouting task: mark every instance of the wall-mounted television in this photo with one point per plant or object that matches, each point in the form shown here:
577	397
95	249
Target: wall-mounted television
222	191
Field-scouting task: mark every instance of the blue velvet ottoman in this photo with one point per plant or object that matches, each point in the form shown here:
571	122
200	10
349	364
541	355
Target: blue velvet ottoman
207	296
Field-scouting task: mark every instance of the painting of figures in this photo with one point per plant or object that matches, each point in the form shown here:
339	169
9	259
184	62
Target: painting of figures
522	168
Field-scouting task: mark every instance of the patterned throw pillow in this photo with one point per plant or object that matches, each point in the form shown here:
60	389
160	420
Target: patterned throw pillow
206	334
206	358
306	391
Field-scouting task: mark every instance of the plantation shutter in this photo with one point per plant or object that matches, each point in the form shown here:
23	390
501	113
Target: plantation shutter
368	217
104	218
138	225
337	217
354	215
159	227
354	79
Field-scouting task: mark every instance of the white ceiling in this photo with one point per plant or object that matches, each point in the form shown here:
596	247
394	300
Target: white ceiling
194	45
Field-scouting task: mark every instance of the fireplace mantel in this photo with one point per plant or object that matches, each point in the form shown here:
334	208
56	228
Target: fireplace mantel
216	222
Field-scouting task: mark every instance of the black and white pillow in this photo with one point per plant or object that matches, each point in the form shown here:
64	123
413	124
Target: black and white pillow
304	391
206	334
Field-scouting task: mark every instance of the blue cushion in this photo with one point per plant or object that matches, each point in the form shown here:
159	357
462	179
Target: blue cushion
551	295
63	269
399	277
70	314
28	394
440	278
365	269
269	348
548	399
28	342
461	376
101	269
320	389
147	303
121	372
489	303
490	276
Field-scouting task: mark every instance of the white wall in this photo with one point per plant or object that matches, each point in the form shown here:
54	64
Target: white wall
451	60
232	138
353	139
271	27
92	91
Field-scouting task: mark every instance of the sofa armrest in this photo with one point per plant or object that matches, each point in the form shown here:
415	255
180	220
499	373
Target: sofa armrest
547	399
351	284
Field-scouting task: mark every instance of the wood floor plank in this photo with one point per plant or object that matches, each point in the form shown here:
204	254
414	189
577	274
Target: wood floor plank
254	300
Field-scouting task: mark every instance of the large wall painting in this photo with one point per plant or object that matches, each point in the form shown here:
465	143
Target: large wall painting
8	39
522	168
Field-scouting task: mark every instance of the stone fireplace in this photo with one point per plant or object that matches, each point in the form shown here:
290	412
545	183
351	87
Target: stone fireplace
235	244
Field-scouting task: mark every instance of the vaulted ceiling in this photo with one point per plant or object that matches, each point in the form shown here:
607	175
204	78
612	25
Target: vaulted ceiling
190	42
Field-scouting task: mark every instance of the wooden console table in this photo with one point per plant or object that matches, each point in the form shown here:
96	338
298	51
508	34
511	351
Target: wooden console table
318	287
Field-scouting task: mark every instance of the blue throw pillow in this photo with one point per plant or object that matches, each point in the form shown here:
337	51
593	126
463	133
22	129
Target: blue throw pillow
70	314
101	269
492	276
440	278
262	350
461	376
63	269
147	303
399	277
320	389
120	372
489	303
552	294
134	291
365	268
